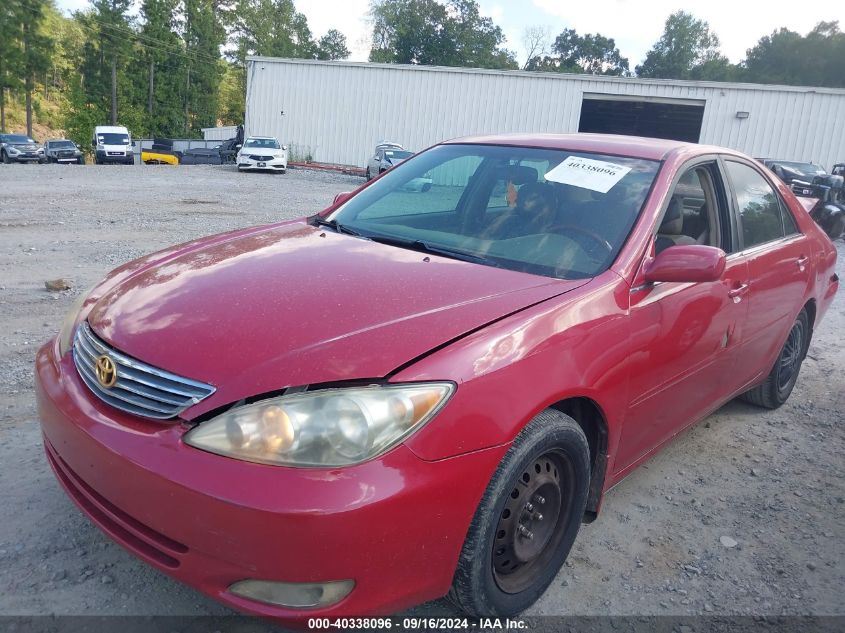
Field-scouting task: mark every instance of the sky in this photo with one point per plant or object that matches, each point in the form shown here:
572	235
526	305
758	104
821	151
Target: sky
634	24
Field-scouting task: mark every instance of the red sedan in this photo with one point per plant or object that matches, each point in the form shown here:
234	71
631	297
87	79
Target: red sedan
426	390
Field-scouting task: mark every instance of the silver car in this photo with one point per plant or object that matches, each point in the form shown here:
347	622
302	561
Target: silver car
386	156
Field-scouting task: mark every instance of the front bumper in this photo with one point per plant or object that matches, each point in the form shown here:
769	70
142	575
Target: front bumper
122	158
25	158
394	525
275	164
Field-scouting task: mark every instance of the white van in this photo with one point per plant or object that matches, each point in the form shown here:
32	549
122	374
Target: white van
112	144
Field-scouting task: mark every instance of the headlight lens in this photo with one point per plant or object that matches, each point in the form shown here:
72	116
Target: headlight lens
69	324
331	427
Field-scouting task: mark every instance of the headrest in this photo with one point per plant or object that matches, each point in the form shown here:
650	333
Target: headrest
536	192
673	221
518	174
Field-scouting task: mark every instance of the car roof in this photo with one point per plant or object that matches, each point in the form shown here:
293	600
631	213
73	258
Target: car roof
111	128
616	144
260	138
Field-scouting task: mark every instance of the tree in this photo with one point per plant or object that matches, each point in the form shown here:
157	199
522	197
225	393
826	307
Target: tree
429	32
112	24
785	57
159	67
332	46
203	37
10	52
35	51
686	44
273	28
590	54
535	40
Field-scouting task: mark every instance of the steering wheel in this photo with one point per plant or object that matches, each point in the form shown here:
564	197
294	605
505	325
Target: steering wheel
593	236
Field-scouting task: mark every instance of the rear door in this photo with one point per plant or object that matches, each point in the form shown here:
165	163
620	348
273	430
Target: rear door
778	257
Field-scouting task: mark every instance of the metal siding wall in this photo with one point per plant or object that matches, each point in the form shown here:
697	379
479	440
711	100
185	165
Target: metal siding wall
337	112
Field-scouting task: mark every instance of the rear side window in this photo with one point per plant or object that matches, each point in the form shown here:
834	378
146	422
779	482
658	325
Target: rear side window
761	212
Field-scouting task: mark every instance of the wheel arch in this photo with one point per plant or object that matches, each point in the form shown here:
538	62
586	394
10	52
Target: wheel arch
592	420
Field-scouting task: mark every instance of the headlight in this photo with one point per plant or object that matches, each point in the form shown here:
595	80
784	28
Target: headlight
14	150
69	324
331	427
40	150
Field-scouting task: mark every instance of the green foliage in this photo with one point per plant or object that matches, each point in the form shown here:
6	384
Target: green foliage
231	94
785	57
573	53
686	50
272	28
433	33
332	46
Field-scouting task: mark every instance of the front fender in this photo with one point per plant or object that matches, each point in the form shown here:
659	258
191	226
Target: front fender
575	345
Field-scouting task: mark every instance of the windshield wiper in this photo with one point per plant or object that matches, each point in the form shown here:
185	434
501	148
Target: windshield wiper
318	220
425	247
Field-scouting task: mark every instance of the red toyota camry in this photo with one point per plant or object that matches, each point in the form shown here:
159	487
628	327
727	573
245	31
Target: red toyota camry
428	387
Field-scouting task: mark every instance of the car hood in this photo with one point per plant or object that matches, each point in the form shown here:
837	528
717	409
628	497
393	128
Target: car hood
292	305
25	147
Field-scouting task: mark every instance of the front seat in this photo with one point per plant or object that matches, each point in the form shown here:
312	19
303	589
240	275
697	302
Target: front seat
671	229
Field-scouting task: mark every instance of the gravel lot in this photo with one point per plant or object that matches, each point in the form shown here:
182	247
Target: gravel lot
771	481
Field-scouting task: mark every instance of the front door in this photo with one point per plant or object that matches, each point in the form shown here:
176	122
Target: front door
684	335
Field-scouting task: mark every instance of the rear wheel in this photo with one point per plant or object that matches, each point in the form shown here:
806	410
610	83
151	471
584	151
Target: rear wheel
781	379
527	520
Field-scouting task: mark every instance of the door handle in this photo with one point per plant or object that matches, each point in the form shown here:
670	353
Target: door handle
736	293
801	262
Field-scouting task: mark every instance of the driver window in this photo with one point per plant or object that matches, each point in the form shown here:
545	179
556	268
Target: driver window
691	215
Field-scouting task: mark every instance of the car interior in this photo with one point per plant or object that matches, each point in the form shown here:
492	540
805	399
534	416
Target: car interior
508	211
691	215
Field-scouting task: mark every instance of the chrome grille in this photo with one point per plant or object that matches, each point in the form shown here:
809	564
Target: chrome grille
259	157
140	388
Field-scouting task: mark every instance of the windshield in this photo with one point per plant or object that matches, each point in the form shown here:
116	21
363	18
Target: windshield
62	144
17	138
111	138
394	154
548	212
804	168
263	143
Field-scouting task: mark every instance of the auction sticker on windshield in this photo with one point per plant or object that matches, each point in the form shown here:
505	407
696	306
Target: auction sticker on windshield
596	175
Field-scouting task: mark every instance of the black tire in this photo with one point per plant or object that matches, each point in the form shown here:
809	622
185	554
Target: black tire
6	159
550	452
368	176
775	390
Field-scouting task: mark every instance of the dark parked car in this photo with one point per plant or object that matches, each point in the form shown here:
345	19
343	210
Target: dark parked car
63	151
19	148
408	396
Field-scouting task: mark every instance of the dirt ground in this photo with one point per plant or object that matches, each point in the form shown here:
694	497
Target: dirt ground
770	480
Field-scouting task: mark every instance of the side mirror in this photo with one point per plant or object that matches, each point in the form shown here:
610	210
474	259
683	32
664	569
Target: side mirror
341	197
238	146
686	264
93	143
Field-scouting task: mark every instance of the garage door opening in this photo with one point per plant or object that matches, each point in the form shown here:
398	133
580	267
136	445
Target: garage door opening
677	119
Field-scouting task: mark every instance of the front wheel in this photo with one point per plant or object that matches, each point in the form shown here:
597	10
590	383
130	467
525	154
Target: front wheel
781	379
6	159
527	520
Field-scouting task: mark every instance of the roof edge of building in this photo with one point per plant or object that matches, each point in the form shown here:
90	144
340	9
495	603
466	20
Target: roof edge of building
722	85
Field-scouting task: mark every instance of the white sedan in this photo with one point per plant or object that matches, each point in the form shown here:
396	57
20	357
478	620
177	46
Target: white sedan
262	153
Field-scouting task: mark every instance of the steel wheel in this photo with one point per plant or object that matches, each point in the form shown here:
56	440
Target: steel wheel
527	519
529	528
791	355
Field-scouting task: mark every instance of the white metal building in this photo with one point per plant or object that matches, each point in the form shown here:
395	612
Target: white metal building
335	112
222	133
